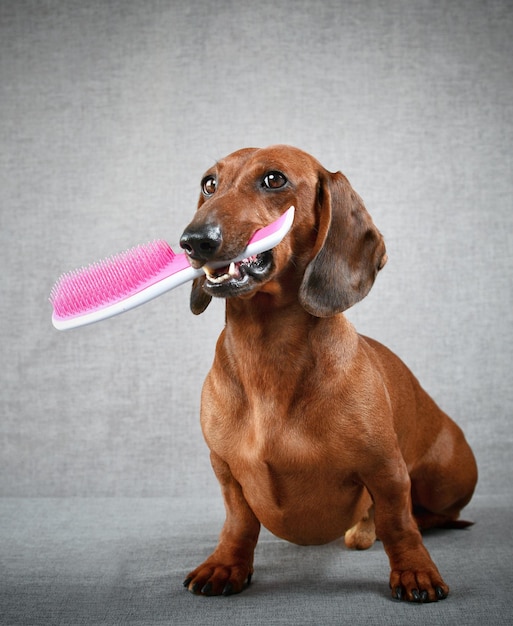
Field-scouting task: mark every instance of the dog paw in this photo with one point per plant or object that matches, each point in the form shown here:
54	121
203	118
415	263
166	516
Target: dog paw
417	586
215	579
363	534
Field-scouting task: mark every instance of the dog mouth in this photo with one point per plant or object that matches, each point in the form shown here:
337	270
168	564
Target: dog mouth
238	277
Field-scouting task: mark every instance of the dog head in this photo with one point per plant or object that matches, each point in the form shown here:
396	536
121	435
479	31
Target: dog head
329	259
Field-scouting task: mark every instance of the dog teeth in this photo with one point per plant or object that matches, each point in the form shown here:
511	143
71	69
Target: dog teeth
214	277
233	272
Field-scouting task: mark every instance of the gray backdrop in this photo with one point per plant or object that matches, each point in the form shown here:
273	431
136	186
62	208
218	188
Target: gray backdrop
110	113
111	110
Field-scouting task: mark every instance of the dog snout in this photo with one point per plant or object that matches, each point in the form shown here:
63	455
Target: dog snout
201	242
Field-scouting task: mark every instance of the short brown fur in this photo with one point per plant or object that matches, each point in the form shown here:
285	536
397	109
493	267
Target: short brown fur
314	430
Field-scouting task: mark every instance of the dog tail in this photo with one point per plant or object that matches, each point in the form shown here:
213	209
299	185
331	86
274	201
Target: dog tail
426	519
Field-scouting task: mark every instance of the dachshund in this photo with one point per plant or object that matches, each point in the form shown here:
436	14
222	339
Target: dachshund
314	431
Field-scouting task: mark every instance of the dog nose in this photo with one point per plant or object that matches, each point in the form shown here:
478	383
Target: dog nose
202	243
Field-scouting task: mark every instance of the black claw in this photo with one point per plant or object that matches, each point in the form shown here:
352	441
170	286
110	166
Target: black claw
187	581
207	588
248	582
440	593
415	595
424	596
228	589
195	588
398	593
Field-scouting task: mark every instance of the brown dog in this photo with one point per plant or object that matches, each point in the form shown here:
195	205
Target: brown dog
314	430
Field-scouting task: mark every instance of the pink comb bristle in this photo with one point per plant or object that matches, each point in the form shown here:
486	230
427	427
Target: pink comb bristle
129	279
106	281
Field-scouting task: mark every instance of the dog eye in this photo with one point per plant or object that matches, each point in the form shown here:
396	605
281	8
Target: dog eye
208	185
274	180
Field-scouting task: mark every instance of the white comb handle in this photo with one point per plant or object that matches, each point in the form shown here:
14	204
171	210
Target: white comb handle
268	237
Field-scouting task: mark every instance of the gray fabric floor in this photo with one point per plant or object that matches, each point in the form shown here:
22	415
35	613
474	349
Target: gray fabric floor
87	561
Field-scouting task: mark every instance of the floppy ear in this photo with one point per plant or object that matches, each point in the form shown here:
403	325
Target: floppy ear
199	299
348	253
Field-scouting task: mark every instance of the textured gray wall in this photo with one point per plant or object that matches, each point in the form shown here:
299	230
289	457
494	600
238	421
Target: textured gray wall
110	113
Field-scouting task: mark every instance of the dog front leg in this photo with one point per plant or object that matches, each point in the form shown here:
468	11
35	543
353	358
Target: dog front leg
413	576
229	568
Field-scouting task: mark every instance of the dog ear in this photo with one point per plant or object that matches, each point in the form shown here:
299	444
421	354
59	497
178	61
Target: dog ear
348	253
199	299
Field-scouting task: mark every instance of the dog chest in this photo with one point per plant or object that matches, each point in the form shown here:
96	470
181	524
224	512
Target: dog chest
295	485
